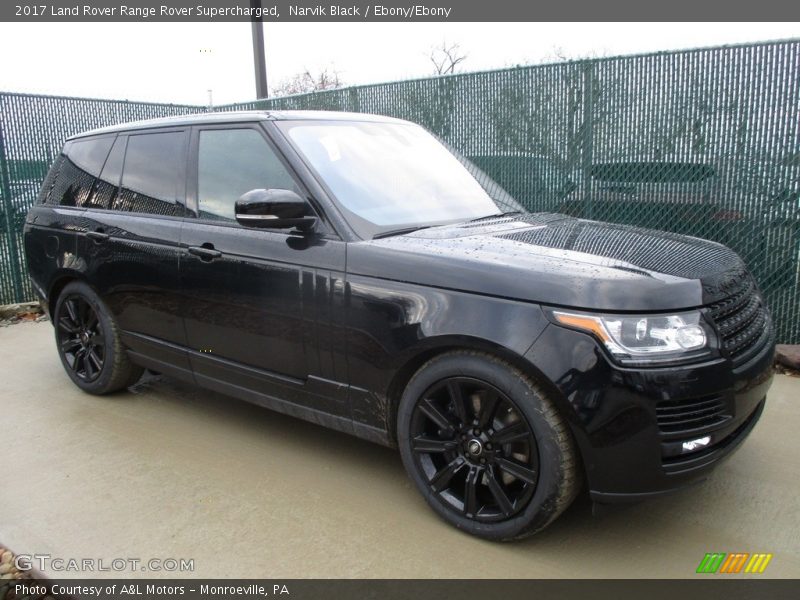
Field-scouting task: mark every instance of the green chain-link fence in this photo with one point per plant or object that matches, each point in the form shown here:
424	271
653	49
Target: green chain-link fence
702	142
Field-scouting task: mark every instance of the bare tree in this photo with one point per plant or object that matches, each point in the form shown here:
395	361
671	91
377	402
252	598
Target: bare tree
446	58
305	82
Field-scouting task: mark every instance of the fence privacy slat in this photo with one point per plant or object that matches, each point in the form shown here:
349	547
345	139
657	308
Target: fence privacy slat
700	142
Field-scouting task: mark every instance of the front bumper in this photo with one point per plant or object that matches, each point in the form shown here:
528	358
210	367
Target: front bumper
644	432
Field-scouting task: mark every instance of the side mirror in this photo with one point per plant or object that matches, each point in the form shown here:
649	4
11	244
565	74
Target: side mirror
273	209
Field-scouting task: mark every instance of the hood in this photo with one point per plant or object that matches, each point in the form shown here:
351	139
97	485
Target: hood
557	260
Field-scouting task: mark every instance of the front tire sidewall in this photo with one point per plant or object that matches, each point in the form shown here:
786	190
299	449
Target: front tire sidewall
543	506
101	384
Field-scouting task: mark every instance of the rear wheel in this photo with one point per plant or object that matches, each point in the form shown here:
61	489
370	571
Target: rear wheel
88	342
486	447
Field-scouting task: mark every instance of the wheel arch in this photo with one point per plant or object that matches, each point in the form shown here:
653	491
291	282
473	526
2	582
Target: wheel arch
58	283
442	345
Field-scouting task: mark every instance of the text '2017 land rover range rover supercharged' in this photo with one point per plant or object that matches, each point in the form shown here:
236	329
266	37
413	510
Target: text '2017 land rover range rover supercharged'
351	270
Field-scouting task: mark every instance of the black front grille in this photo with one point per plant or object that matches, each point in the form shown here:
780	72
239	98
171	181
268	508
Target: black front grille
742	321
678	417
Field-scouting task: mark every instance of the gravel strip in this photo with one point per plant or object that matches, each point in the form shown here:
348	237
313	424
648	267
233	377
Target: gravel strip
10	573
11	314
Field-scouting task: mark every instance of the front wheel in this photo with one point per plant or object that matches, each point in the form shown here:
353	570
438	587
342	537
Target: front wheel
89	344
485	446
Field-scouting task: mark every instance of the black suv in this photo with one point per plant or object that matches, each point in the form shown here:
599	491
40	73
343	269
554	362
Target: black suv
349	270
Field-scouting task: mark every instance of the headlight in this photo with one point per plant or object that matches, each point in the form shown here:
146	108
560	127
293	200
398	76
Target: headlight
642	337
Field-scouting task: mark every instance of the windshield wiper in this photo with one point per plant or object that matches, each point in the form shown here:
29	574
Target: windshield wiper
394	232
497	216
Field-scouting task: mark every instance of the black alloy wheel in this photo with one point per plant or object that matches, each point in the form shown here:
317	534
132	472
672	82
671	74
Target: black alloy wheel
80	338
475	448
89	342
486	446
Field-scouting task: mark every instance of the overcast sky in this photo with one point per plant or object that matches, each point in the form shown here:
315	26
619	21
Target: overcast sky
167	62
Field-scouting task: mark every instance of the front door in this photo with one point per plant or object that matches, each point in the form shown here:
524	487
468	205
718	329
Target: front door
257	303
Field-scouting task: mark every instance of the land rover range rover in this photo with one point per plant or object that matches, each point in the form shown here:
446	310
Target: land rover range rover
350	270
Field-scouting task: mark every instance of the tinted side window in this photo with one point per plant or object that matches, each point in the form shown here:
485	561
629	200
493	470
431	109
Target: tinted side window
90	155
107	185
45	194
152	174
82	162
232	162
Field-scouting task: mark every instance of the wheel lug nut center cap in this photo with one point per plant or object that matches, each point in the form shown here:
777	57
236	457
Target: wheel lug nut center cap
475	448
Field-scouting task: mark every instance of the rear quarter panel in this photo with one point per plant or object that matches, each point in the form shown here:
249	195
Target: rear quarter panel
51	247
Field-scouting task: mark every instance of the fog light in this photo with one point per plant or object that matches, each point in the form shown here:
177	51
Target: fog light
695	444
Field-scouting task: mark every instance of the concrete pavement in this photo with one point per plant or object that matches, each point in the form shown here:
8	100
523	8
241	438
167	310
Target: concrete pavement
170	471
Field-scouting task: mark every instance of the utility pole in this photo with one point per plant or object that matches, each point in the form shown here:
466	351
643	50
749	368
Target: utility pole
259	55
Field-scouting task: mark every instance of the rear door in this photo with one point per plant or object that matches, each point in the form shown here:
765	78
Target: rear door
130	237
258	303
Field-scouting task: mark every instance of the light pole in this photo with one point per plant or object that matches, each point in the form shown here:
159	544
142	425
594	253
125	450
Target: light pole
259	56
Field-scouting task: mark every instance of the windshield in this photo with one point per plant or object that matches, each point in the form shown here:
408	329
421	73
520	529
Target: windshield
394	176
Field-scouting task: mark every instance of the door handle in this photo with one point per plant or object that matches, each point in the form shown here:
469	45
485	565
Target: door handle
206	252
97	236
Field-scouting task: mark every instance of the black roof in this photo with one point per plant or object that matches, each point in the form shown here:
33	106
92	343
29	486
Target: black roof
239	117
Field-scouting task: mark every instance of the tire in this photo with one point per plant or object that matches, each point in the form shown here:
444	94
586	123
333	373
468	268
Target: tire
501	467
88	342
